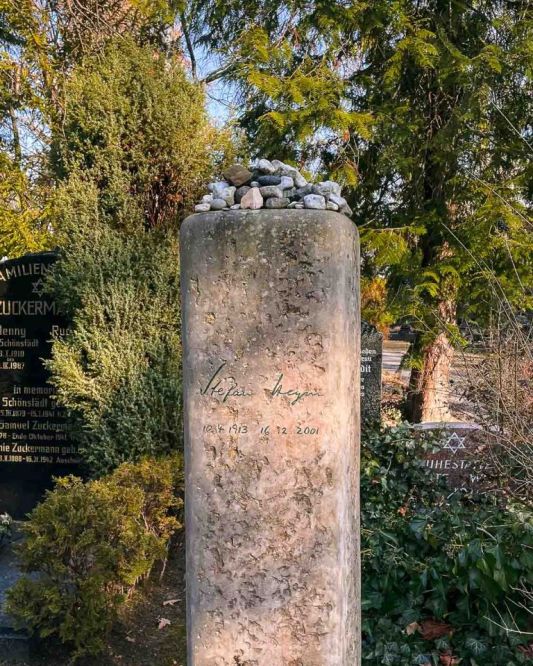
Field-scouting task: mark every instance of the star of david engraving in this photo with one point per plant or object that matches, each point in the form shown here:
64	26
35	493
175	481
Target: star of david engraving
38	287
454	443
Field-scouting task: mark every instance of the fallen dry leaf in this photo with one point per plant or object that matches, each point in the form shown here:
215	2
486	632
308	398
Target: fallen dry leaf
170	602
431	629
163	622
527	650
411	628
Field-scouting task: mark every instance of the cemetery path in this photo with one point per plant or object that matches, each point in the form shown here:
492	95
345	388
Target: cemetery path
461	407
393	353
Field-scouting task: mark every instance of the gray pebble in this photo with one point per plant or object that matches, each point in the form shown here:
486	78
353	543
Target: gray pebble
269	180
224	191
302	191
218	204
271	191
202	208
291	194
254	183
299	180
346	210
296	204
315	202
207	198
217	186
331	206
277	203
279	166
266	166
340	201
240	192
287	183
327	187
235	207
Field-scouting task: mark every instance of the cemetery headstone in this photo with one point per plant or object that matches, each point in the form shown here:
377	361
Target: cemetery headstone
461	453
271	396
34	438
371	362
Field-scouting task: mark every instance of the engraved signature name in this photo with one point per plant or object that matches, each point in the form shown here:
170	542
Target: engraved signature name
292	393
223	387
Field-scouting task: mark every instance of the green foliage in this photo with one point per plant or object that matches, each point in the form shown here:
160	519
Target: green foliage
22	228
88	544
457	562
422	110
118	370
136	126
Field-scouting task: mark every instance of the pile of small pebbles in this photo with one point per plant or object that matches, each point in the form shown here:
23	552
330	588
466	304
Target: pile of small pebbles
271	184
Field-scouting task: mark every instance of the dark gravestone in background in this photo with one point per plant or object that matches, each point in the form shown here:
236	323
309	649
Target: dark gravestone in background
34	438
461	453
371	360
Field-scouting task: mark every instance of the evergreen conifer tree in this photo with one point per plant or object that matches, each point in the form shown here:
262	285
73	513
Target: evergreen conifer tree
424	109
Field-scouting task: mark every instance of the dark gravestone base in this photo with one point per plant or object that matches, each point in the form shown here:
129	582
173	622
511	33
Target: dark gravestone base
14	645
22	487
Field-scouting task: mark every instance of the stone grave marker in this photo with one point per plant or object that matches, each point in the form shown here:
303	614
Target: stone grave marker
34	439
462	453
271	397
371	362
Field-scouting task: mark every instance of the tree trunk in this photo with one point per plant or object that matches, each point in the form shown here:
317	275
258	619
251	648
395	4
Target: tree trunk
429	389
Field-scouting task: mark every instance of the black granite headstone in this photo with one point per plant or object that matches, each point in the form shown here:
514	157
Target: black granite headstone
34	437
371	361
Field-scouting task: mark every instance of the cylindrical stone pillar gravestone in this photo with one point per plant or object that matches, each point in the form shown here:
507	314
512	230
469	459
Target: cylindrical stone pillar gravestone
271	388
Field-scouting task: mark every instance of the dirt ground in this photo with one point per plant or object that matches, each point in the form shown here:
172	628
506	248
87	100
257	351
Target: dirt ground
136	639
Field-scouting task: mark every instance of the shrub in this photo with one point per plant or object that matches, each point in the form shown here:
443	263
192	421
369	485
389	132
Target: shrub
136	126
88	544
443	575
118	371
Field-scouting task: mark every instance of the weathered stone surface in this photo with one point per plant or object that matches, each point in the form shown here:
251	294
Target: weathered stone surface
237	175
271	391
252	199
202	208
371	366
